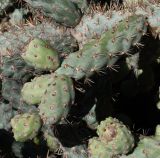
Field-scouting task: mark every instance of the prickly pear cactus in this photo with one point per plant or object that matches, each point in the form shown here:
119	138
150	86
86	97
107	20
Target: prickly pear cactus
79	151
17	17
148	147
90	118
56	101
15	68
33	91
52	142
150	9
18	37
40	55
116	136
62	11
95	23
25	126
82	4
96	54
5	4
6	113
11	91
97	149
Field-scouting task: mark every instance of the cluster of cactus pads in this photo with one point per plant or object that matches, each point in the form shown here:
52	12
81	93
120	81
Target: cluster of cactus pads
62	63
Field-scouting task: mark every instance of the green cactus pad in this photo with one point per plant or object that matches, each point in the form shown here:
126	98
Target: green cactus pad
116	136
55	102
97	149
52	142
96	54
40	55
32	91
25	126
62	11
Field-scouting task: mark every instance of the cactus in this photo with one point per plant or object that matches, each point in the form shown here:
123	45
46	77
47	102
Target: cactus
142	79
150	9
114	139
98	53
41	61
11	91
52	142
17	38
148	147
40	55
90	118
6	113
97	149
55	103
17	17
17	149
116	136
25	126
62	11
78	151
82	4
95	23
33	91
4	4
15	68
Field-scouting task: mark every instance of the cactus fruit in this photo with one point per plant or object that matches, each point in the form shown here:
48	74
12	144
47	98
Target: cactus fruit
98	53
40	55
62	11
55	102
25	126
78	151
116	136
32	91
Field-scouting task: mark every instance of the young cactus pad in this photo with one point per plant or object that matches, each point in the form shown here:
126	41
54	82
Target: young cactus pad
55	102
97	149
32	91
116	136
40	55
25	126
